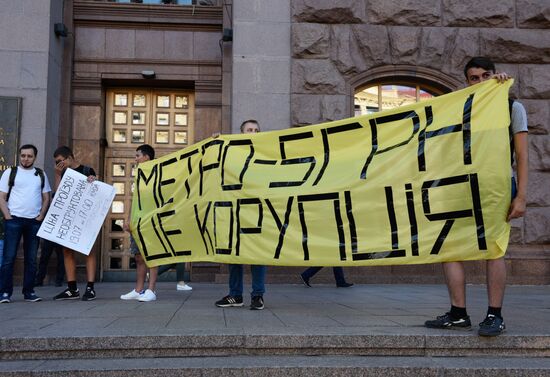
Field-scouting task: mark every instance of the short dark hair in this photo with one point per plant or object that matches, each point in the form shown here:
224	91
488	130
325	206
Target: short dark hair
29	146
250	121
479	62
146	149
64	152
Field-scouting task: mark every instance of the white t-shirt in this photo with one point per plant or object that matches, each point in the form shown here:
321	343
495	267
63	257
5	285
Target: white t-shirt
26	196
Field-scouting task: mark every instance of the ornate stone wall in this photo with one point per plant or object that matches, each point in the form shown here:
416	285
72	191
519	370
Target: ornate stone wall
334	42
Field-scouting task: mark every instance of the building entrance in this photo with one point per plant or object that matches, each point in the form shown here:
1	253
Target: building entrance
163	119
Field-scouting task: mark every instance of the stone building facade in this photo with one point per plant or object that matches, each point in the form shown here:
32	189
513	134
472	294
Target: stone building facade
338	47
114	79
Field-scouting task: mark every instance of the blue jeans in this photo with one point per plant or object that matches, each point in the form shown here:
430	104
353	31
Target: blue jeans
1	250
13	230
180	270
236	280
337	271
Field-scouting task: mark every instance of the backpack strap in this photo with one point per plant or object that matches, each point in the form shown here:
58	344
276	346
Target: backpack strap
11	181
39	172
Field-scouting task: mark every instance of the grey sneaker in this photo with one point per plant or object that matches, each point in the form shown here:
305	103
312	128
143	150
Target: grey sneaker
446	321
491	326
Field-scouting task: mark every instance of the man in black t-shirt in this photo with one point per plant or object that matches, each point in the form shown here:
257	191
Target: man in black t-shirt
64	159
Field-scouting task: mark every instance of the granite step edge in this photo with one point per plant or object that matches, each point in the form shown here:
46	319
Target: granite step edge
282	366
220	345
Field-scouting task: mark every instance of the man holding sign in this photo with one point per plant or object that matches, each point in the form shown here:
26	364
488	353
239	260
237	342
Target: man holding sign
64	158
477	70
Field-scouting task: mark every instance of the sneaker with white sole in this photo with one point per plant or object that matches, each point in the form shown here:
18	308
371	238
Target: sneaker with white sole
181	286
5	299
257	303
491	326
148	295
446	321
32	297
132	295
229	301
68	294
89	294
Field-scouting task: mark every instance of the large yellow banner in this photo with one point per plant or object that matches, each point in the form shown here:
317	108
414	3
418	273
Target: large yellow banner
423	183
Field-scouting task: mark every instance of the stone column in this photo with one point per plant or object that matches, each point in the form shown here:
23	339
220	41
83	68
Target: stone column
261	63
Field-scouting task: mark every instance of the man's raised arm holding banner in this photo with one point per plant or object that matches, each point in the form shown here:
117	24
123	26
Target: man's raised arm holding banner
477	70
422	183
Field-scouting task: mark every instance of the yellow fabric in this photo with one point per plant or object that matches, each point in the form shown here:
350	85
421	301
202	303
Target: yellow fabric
345	193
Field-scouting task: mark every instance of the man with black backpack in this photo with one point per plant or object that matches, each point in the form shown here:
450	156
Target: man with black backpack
64	158
477	70
24	199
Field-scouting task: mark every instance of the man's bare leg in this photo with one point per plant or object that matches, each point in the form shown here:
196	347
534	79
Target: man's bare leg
456	283
496	281
457	317
153	273
141	272
91	265
71	293
70	264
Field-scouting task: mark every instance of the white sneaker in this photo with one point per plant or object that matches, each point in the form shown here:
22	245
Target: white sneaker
148	295
181	286
132	295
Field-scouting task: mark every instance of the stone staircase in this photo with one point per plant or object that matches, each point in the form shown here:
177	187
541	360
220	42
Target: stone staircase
321	331
278	355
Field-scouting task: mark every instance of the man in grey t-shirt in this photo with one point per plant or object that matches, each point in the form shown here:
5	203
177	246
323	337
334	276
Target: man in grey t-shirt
477	70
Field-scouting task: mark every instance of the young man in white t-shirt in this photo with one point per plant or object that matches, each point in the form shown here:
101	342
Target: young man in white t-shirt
24	199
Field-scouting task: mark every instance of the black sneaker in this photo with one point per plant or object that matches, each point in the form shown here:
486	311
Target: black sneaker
305	281
257	303
32	297
491	326
67	294
229	301
5	298
447	322
344	285
89	294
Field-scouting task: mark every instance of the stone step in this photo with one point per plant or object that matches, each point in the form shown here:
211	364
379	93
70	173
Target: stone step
442	344
284	366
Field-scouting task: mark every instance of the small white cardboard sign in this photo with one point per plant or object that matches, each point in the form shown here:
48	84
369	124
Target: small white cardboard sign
77	212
